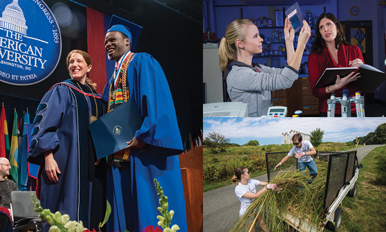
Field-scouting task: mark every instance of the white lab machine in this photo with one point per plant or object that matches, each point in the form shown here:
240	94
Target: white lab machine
225	109
277	111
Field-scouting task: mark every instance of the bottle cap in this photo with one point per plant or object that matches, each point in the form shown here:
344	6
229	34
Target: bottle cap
298	112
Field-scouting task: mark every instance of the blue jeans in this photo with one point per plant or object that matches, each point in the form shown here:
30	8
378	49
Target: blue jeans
311	166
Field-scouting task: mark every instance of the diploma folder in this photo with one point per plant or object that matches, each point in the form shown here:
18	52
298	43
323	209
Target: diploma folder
111	131
371	78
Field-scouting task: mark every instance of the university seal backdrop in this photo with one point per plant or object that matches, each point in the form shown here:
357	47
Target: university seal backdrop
30	42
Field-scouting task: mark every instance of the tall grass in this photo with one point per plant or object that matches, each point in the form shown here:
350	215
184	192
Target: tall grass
219	168
298	198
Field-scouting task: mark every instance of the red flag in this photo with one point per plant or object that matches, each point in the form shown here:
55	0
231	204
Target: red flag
4	138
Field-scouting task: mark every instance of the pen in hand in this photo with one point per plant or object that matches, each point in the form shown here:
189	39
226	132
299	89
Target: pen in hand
355	63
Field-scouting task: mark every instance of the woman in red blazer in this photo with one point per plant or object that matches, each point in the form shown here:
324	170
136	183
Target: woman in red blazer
330	50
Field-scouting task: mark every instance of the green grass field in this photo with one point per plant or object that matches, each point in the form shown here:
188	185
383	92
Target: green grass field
366	211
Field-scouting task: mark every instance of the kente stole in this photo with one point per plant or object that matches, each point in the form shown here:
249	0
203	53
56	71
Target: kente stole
118	94
119	91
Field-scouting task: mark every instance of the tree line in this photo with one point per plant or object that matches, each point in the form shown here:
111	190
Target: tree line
376	137
218	143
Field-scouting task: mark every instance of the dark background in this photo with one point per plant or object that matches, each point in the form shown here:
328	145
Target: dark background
171	34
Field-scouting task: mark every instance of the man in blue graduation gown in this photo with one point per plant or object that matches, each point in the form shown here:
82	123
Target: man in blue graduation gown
155	147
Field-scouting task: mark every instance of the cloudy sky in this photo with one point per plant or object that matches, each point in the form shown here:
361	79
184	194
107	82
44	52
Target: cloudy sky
269	131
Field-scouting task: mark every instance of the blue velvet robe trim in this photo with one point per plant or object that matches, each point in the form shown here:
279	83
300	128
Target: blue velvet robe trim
58	132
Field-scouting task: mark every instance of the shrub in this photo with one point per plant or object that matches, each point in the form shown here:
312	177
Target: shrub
211	172
223	170
381	167
316	137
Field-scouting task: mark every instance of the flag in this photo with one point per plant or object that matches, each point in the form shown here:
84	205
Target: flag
23	184
14	153
4	138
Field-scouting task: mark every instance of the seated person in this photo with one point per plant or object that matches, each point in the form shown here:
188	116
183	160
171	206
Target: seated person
6	187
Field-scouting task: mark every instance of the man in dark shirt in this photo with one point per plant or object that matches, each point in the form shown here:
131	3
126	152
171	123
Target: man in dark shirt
6	187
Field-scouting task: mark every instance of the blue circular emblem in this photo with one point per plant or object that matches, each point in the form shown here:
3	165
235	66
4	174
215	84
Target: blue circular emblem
30	42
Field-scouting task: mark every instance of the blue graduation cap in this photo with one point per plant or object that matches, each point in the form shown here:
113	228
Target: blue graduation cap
135	33
135	29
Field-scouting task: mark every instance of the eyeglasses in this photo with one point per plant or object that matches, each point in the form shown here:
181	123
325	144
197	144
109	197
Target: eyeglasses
295	143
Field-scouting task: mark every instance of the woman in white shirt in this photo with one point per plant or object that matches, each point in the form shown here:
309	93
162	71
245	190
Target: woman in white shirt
246	191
